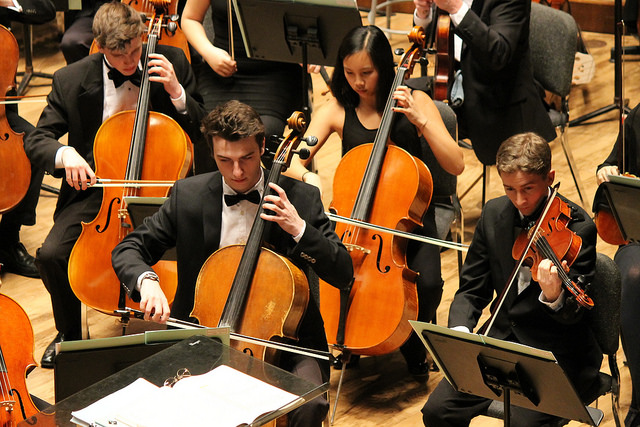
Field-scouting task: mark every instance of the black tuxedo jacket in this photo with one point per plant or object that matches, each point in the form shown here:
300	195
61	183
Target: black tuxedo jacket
75	107
523	318
500	95
190	221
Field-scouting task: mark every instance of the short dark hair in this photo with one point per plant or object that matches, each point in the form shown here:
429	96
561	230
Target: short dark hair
372	40
116	24
524	152
232	121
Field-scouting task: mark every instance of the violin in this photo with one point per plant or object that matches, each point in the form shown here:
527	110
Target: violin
158	151
15	173
16	361
380	184
251	289
443	74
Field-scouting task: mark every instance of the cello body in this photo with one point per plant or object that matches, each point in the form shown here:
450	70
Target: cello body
383	296
90	273
274	314
16	361
15	173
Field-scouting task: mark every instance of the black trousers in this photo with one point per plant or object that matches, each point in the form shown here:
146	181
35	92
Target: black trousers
627	259
424	258
449	408
52	260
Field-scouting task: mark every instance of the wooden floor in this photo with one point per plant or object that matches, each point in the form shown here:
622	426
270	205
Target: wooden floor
379	391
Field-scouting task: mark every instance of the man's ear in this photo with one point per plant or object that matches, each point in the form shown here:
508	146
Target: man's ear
551	177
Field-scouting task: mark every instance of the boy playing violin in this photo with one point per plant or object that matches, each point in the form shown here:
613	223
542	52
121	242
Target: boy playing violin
539	314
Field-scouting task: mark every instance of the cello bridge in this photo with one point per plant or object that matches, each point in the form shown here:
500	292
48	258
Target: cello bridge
7	405
351	248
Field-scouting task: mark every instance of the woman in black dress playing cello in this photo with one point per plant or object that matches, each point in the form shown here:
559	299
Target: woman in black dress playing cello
361	83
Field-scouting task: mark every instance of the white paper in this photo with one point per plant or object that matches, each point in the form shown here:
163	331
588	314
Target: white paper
223	397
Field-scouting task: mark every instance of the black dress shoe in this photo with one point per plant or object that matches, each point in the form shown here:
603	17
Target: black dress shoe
419	371
15	259
354	361
50	352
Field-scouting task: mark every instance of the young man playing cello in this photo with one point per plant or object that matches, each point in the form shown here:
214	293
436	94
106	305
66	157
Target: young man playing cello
199	217
85	94
539	314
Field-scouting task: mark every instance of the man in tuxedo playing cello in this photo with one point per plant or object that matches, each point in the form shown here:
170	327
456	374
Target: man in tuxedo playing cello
539	314
84	94
201	216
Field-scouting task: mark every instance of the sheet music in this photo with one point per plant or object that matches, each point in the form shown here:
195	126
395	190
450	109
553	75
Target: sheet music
222	397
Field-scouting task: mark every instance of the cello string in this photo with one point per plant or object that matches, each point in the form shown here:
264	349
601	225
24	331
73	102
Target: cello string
5	384
546	249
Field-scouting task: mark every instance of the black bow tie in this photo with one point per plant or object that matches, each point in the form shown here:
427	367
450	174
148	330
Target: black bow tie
119	78
252	196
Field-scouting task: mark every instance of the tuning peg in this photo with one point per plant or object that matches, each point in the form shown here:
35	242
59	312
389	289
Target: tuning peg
310	140
303	153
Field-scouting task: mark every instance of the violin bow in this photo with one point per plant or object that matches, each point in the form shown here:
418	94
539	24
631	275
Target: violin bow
182	324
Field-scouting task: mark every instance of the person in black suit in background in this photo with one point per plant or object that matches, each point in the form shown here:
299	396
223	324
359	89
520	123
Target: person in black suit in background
491	46
13	255
538	314
83	96
201	216
627	258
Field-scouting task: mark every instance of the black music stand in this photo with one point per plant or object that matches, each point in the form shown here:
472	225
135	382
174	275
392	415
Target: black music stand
622	194
141	207
298	31
495	369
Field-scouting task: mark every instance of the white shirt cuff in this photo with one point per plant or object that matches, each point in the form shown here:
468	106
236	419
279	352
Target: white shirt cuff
180	102
299	236
423	22
554	305
58	159
459	15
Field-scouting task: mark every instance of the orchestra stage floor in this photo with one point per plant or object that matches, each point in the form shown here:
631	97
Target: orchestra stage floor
379	391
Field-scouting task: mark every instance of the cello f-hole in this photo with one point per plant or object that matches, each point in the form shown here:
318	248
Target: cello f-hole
106	225
379	255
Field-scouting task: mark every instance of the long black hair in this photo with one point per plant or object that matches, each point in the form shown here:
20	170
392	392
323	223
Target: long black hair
372	40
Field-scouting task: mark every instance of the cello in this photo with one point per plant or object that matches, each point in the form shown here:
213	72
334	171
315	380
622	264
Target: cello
382	184
167	12
15	173
251	289
16	361
158	149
